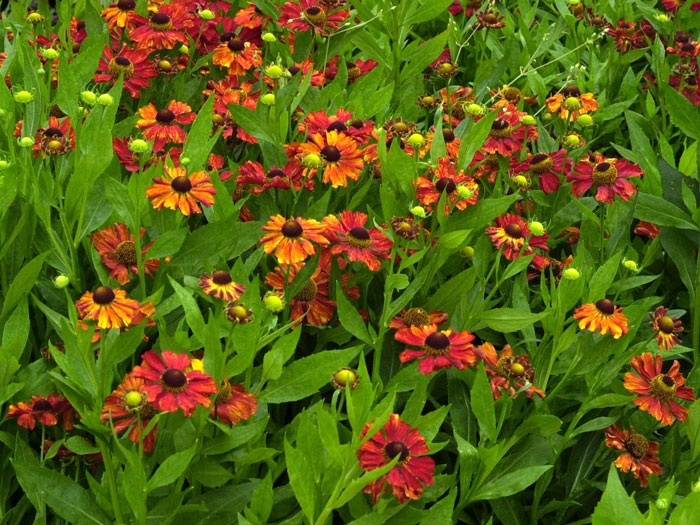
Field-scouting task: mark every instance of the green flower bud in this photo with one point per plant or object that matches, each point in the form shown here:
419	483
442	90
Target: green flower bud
312	160
415	141
50	53
465	191
61	281
585	120
521	181
528	120
185	161
105	100
418	211
274	71
184	50
537	228
572	141
4	165
345	377
89	98
269	38
467	252
273	302
206	14
26	142
138	146
547	117
571	274
474	109
23	97
661	503
40	71
34	18
695	487
133	399
572	104
662	18
630	265
268	99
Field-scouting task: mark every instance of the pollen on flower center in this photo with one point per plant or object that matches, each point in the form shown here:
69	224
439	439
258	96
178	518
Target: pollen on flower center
125	253
308	292
501	129
331	153
511	93
446	184
514	230
662	387
314	15
437	343
540	163
359	237
43	405
605	306
604	174
174	380
416	317
292	229
396	448
503	366
103	295
337	126
666	325
160	22
181	184
221	277
637	445
165	116
236	45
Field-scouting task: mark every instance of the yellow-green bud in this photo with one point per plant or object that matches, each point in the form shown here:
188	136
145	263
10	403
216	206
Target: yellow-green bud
662	18
695	487
585	120
184	50
571	274
418	211
133	399
572	104
572	141
574	2
312	160
2	112
274	72
26	142
630	265
517	369
89	98
35	18
415	141
661	503
207	14
345	377
4	165
273	302
537	228
268	99
61	281
185	161
23	97
138	146
50	53
474	109
465	191
467	252
547	117
528	120
105	100
269	38
40	71
520	181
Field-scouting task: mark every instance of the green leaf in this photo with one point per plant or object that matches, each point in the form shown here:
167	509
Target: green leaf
692	426
167	244
509	319
300	479
598	423
603	278
662	213
428	10
483	212
682	113
616	506
350	319
171	469
423	55
483	405
199	140
355	486
22	283
306	376
687	512
192	312
279	354
477	133
510	483
16	331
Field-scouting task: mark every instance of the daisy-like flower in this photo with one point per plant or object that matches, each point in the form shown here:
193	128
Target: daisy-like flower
45	409
640	455
318	78
181	192
170	385
221	284
237	55
161	126
413	470
461	190
416	317
109	307
506	136
233	404
250	17
656	391
406	227
508	372
311	302
547	167
127	403
133	64
507	96
626	36
570	103
610	177
340	153
122	14
254	176
490	19
686	50
666	328
603	316
308	15
116	247
349	236
439	349
291	239
56	139
513	234
164	28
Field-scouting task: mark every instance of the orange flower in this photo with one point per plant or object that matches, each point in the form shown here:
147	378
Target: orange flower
667	328
341	154
164	28
122	14
416	317
507	371
311	302
640	454
233	404
109	307
115	244
182	192
570	103
603	316
238	56
45	409
221	285
290	240
161	126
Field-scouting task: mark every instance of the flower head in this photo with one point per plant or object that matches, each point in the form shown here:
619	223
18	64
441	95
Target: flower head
610	177
237	55
350	236
182	192
291	239
640	454
164	29
438	349
221	285
233	404
161	126
122	14
571	103
310	15
508	372
603	316
446	179
127	403
666	328
132	64
513	234
116	247
109	307
45	409
342	158
311	302
416	317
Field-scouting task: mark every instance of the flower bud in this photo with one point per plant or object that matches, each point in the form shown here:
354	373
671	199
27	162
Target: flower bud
237	313
572	141
23	97
345	377
536	227
465	191
474	109
4	164
547	117
268	99
418	211
695	487
207	14
34	18
50	53
528	120
517	369
133	399
661	503
40	71
185	161
2	112
61	281
585	120
571	274
105	100
630	265
520	181
312	160
26	142
184	50
467	252
269	38
274	71
415	141
572	104
138	146
574	2
273	302
89	98
662	18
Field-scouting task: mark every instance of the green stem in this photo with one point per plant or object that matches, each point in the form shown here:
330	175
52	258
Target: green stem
109	471
696	315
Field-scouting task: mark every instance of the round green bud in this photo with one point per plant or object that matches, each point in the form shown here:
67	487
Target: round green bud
89	98
207	14
274	71
695	487
537	228
26	142
418	211
105	100
23	97
268	99
415	141
35	18
585	120
572	104
465	191
571	274
133	399
574	2
50	53
185	161
547	117
528	120
4	165
467	252
662	18
184	50
345	377
138	146
631	265
520	181
474	109
661	503
2	112
269	38
273	302
61	281
573	141
40	71
312	160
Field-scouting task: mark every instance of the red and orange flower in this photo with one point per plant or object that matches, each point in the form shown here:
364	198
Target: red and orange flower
44	409
237	55
547	167
122	14
666	327
507	135
125	406
610	177
221	285
164	29
512	234
291	239
133	64
349	236
308	15
116	247
640	455
161	126
342	158
413	470
604	316
439	349
656	391
508	372
181	192
461	190
571	103
416	317
233	404
109	307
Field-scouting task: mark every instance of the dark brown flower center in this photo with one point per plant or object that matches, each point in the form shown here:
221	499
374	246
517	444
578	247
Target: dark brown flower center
448	135
292	229
221	277
359	237
165	116
119	65
331	153
314	15
337	126
605	306
276	173
416	317
308	292
125	253
688	47
174	379
681	37
236	45
637	445
501	129
666	325
396	448
293	70
103	295
437	342
571	91
604	174
490	18
53	132
511	94
126	5
446	184
42	405
181	184
359	233
148	411
161	22
514	230
662	387
122	61
540	163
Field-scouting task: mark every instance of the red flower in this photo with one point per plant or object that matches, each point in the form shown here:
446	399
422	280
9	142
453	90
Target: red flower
547	167
233	404
508	371
507	135
45	409
610	177
625	35
461	190
127	403
164	28
253	174
439	349
349	236
647	229
170	386
115	244
238	56
161	126
133	64
640	454
666	328
416	317
307	15
656	391
412	471
513	233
